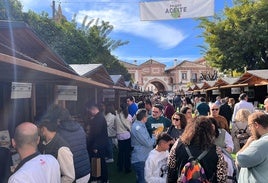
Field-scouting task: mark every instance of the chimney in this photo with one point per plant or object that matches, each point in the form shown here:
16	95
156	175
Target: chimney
175	62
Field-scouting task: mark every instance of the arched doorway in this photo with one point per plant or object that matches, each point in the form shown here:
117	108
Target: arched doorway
156	86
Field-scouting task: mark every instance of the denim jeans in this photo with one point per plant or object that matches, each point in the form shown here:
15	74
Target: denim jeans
110	148
139	170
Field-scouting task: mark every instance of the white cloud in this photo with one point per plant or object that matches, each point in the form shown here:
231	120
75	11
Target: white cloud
125	19
124	16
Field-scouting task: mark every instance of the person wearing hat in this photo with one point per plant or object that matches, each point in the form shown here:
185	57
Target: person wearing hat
55	145
242	104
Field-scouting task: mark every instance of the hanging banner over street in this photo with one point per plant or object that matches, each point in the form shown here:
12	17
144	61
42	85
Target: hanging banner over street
176	9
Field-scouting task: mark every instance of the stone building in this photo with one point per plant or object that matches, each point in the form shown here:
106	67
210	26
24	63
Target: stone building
153	76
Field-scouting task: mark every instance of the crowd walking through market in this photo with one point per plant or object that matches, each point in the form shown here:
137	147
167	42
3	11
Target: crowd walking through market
160	140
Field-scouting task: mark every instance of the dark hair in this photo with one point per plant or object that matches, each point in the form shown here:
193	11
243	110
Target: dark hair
57	113
184	109
50	125
148	101
131	98
188	100
199	132
141	105
140	114
163	136
109	108
216	124
90	105
260	118
124	109
202	99
182	119
159	106
242	96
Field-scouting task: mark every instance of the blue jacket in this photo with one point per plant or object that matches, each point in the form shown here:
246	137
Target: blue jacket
141	142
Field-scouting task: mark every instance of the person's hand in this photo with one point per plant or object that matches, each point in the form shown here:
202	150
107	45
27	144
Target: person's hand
250	139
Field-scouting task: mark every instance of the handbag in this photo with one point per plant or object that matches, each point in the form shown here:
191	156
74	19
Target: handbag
241	134
95	167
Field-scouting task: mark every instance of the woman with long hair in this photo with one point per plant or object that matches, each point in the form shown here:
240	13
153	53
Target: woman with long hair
186	102
109	114
198	136
123	125
239	127
224	140
187	111
178	125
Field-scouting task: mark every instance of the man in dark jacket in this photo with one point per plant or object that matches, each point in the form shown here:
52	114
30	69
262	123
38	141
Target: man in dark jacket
73	133
226	111
98	138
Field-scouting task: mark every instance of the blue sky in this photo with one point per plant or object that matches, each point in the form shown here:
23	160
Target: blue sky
162	41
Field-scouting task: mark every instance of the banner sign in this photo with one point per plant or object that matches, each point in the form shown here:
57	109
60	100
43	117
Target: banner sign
65	92
216	92
235	91
21	90
108	93
176	9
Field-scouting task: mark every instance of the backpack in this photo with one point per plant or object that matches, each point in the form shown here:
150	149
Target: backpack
241	135
193	172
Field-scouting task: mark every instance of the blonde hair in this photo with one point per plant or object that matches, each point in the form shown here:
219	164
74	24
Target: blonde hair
242	115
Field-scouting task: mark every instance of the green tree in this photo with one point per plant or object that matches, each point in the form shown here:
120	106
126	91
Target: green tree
101	46
62	37
76	45
238	39
11	10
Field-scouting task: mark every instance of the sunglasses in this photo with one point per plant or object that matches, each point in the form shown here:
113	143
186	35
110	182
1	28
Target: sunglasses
176	119
214	109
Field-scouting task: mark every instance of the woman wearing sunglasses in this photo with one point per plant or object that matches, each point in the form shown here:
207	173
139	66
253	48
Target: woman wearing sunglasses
178	125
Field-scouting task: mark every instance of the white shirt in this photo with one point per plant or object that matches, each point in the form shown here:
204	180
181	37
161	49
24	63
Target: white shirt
155	170
41	169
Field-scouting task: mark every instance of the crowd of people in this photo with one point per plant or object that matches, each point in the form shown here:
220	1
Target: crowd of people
154	137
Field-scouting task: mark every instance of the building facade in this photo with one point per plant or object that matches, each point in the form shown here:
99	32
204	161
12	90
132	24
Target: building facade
154	77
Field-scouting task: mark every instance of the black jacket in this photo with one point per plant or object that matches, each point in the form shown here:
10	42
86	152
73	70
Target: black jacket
5	163
53	146
98	135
